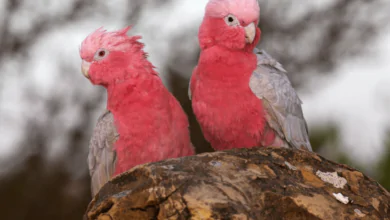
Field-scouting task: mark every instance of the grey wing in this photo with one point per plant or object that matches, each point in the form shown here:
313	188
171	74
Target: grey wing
193	78
189	90
282	104
102	156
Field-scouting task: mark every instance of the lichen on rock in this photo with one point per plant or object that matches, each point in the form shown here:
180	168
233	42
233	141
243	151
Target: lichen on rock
332	178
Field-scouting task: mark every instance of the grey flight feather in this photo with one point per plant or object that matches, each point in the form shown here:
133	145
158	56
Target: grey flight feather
189	83
102	156
189	90
281	103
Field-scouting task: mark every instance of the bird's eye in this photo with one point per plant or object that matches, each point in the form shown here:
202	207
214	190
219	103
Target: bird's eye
231	20
100	54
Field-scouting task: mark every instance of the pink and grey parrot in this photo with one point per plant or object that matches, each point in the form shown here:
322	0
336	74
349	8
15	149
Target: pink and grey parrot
240	95
143	122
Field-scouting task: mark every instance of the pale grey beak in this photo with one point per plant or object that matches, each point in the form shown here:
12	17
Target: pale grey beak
85	68
250	33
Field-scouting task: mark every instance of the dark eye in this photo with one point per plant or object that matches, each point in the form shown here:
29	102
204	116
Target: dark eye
231	20
100	54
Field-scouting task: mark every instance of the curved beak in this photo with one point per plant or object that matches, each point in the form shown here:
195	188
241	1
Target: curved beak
85	68
250	33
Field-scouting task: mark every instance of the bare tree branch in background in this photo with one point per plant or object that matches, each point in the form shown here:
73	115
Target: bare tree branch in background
323	37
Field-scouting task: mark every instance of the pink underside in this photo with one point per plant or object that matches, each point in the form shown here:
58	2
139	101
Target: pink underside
152	128
230	115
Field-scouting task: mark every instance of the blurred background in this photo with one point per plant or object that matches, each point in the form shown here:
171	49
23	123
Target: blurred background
336	51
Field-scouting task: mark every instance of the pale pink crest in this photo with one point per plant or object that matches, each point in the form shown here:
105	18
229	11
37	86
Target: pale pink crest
247	10
113	40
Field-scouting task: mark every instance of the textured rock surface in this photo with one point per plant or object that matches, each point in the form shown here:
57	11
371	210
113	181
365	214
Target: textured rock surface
271	183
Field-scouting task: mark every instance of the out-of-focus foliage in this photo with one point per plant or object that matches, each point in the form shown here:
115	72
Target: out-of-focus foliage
384	167
43	191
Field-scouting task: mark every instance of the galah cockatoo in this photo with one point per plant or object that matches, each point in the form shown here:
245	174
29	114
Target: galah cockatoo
143	122
240	95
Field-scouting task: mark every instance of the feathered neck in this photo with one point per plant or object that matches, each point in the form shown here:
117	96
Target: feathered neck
134	91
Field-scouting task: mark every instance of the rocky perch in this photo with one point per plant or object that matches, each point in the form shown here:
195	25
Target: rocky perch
257	183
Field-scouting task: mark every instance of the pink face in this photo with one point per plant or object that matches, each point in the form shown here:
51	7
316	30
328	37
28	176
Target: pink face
230	23
104	67
105	56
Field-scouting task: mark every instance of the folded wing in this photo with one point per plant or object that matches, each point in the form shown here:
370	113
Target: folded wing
270	83
102	156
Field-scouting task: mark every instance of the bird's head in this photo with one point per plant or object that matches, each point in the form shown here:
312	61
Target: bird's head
107	57
230	23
